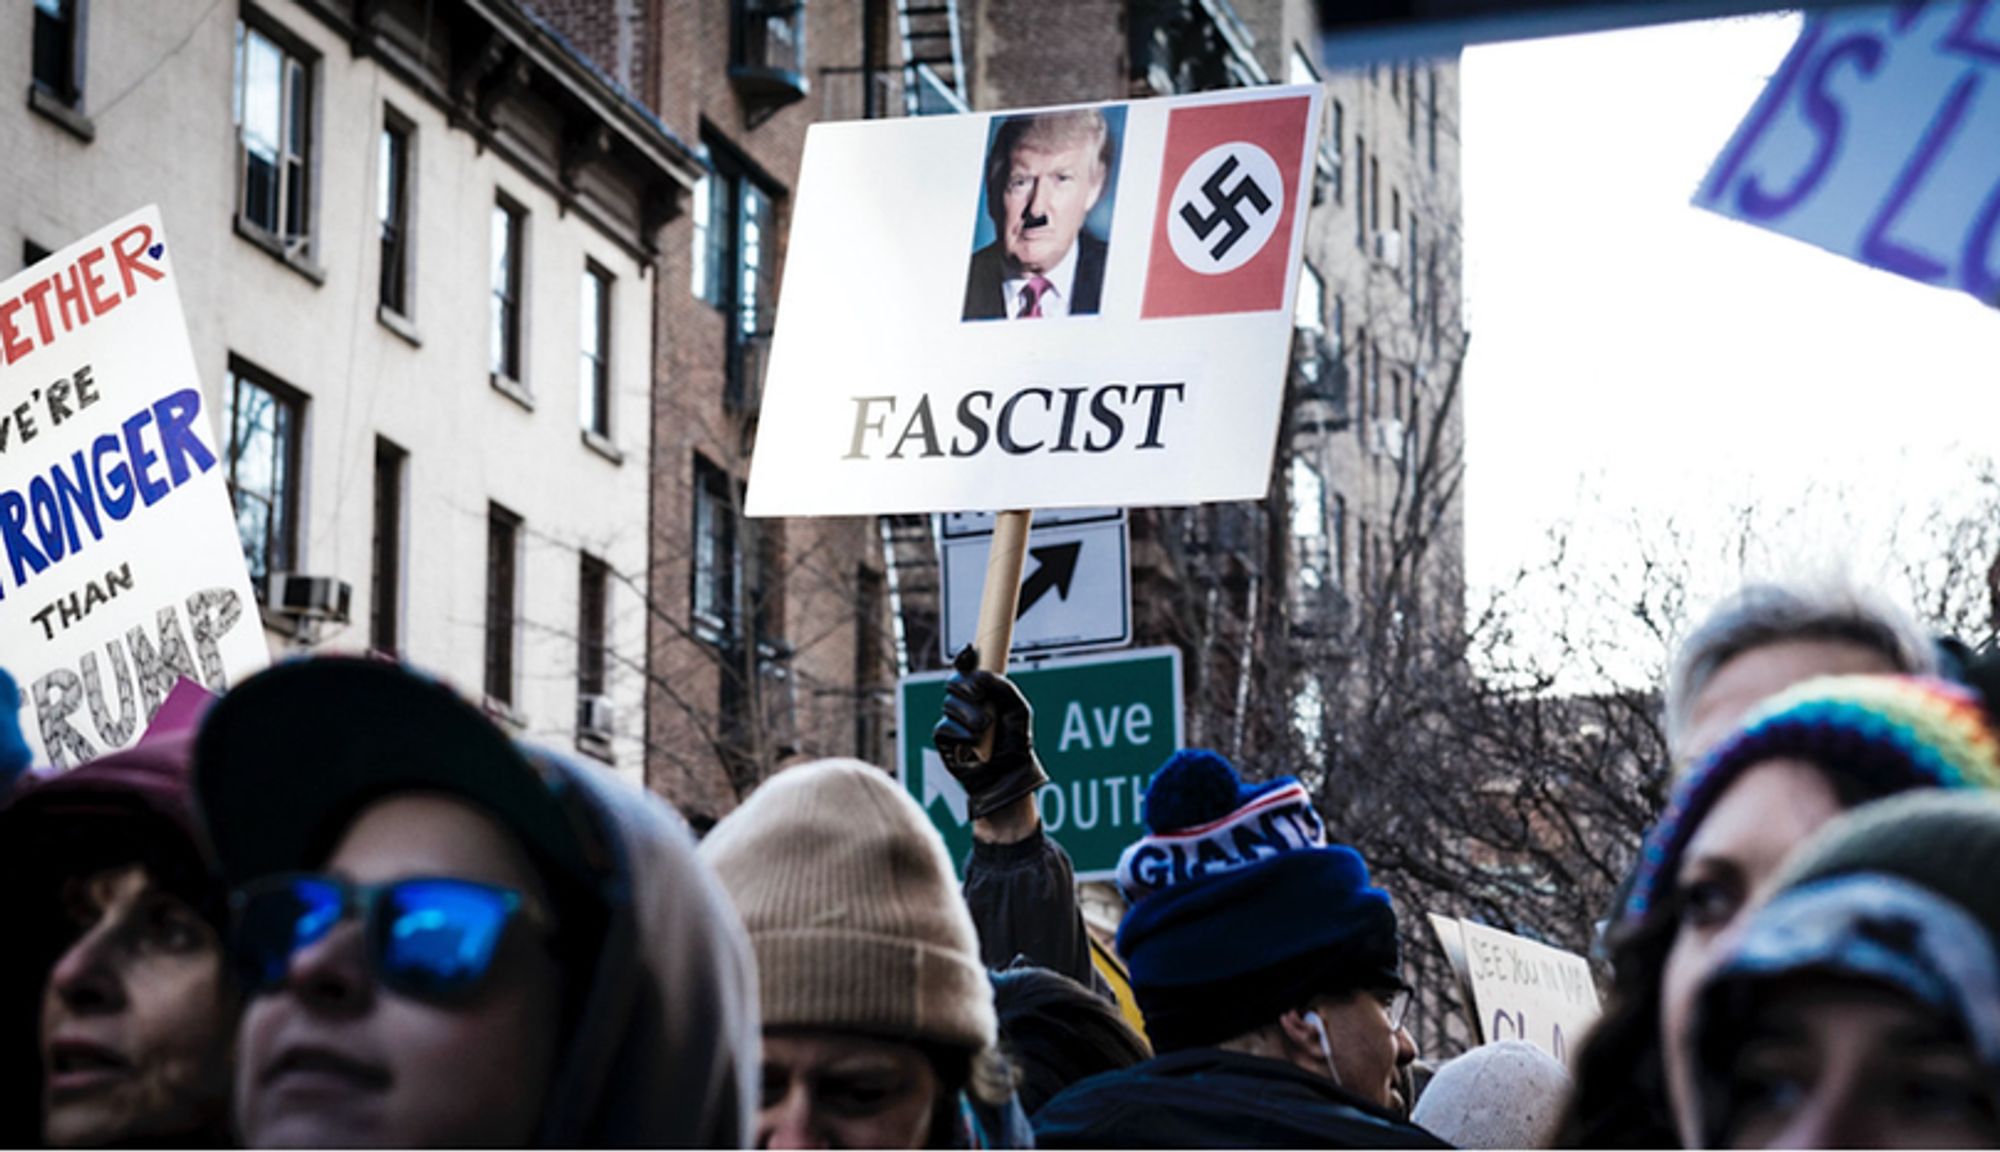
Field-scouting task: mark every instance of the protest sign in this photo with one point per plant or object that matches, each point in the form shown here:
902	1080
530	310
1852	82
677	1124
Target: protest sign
120	567
1523	990
1103	726
1051	309
1876	140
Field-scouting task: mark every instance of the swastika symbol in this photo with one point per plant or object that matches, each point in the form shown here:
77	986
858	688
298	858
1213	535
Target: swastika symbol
1224	208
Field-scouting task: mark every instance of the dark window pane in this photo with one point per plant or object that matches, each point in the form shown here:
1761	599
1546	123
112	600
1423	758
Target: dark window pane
262	451
502	553
386	568
55	48
392	212
592	595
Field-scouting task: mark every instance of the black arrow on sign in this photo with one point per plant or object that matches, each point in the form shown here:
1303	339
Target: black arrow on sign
1055	567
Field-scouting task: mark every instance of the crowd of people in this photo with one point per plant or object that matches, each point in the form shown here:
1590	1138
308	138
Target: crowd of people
338	907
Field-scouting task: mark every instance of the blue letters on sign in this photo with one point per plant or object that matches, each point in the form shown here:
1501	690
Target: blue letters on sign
1879	139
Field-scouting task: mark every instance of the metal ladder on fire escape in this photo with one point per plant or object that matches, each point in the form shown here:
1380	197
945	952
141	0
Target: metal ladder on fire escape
933	58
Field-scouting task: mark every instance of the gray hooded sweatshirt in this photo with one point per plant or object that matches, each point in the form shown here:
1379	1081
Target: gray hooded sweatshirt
666	1049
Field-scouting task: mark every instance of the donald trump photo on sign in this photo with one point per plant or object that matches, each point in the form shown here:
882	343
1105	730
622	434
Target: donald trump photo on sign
1045	174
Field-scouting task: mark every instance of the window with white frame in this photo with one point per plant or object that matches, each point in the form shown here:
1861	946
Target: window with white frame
274	85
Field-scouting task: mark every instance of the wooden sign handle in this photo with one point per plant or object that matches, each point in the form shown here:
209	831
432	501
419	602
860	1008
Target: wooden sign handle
1001	598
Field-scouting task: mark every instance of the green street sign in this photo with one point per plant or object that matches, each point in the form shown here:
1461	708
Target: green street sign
1103	725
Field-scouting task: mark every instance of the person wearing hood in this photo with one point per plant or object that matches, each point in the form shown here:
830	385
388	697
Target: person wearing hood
879	1026
1269	972
1860	1006
447	938
1800	759
117	947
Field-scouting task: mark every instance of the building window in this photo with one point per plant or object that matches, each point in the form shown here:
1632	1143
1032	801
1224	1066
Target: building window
871	719
595	331
264	417
392	210
1410	107
273	126
1340	539
503	575
1360	192
593	598
59	50
1432	116
1375	193
770	35
385	568
1415	261
1334	138
718	557
736	268
1360	389
508	225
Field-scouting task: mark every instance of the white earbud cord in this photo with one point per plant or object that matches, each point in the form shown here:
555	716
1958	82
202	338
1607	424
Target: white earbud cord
1325	1049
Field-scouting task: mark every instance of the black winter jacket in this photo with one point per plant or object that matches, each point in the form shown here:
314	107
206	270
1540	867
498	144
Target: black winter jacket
1212	1098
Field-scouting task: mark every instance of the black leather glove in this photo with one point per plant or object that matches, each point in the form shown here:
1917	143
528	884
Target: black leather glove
975	701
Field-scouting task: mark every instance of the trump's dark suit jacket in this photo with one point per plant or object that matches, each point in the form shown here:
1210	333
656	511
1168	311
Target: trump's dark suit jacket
983	299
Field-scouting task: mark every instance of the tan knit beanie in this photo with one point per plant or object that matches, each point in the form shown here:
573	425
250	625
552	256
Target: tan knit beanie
853	910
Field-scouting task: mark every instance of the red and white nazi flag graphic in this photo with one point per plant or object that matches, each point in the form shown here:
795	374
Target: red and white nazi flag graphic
1229	186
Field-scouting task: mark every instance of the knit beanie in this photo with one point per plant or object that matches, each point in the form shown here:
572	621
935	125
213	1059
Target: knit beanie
1241	910
852	908
1946	842
1501	1095
1880	734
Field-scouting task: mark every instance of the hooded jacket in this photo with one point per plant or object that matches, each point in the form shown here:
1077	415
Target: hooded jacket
666	1048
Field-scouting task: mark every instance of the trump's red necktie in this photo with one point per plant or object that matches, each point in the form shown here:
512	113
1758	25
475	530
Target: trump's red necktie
1031	297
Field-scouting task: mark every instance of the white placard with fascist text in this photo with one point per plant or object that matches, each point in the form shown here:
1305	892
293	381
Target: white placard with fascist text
120	567
1055	308
1879	139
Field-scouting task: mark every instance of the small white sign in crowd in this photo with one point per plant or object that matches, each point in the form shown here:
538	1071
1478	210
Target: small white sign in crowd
1521	989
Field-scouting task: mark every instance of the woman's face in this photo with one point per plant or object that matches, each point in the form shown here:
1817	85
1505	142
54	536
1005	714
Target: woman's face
136	1019
1728	865
331	1058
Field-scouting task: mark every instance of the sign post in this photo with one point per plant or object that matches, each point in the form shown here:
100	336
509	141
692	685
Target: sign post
121	571
1103	725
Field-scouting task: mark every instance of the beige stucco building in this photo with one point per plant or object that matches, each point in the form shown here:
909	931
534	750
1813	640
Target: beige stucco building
417	253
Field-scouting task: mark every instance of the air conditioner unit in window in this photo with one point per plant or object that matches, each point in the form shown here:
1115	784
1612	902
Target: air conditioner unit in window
314	598
594	715
1389	248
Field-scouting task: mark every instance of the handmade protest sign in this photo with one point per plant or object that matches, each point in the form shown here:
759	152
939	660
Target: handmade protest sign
120	567
1523	990
1046	309
1879	139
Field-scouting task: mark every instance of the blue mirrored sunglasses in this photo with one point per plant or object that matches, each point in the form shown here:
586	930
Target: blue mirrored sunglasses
430	938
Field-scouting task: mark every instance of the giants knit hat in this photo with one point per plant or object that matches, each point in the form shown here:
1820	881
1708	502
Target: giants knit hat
853	910
1242	911
1883	734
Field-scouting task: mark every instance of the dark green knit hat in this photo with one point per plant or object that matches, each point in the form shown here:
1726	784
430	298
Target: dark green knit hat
1945	841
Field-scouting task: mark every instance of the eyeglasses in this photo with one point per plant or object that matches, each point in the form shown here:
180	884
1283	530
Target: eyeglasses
1395	1004
429	938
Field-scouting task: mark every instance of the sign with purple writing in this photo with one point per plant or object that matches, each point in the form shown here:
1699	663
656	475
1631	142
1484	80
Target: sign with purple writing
1521	989
1879	139
120	567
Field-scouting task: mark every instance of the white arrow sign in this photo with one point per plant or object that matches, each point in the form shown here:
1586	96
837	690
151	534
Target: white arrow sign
938	781
1076	583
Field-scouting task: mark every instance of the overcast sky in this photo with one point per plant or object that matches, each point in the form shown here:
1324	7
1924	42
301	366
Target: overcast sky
1635	358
